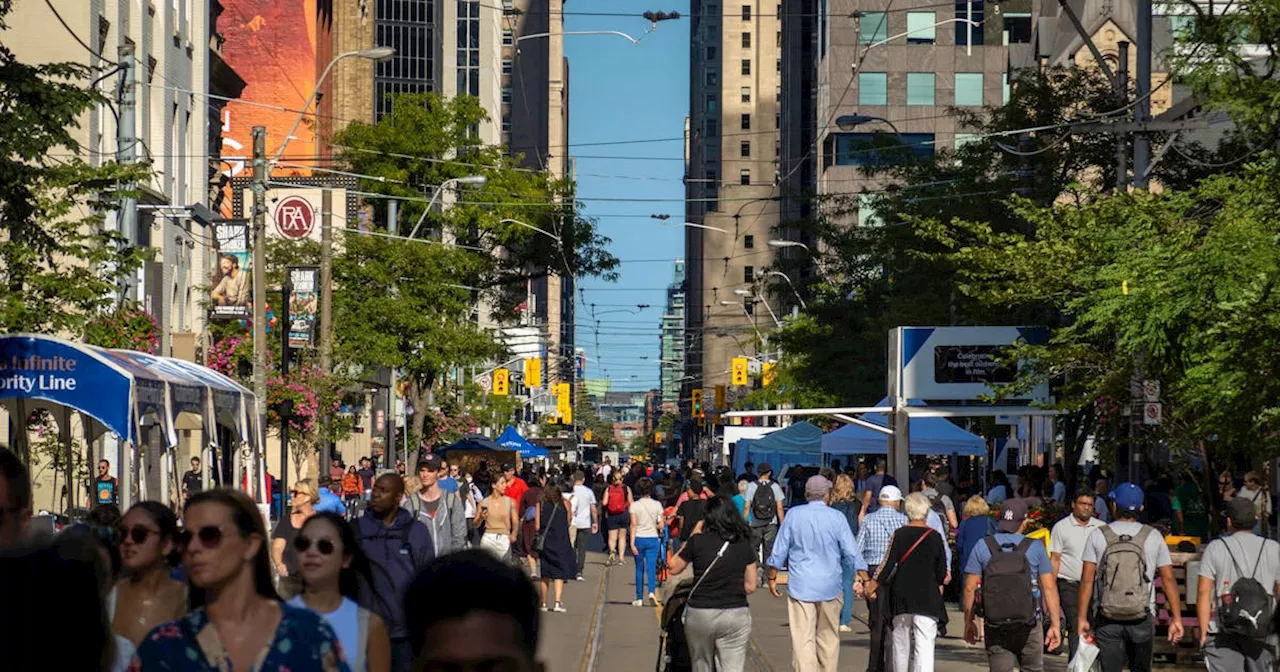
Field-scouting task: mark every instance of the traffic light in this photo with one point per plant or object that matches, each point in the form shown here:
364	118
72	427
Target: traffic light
501	382
697	404
563	404
739	371
720	396
768	372
586	436
533	372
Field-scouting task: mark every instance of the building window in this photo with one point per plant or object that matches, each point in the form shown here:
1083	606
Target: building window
508	37
779	66
745	149
749	242
507	66
777	120
748	274
921	28
873	27
778	39
746	66
867	211
713	10
920	88
713	128
873	88
712	79
506	95
746	12
777	148
963	139
711	53
1017	28
746	122
506	124
777	94
968	34
1181	26
1004	88
711	103
404	25
750	307
870	149
746	40
468	48
744	177
968	88
746	94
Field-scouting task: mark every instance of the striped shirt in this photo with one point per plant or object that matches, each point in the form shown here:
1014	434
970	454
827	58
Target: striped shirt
876	530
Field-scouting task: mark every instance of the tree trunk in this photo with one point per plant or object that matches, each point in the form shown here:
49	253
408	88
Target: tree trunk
417	397
1209	489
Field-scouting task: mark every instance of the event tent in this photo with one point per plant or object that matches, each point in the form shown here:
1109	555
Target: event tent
929	436
471	442
511	440
800	443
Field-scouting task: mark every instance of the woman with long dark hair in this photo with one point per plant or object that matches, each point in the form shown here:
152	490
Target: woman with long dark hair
147	596
333	567
717	620
238	622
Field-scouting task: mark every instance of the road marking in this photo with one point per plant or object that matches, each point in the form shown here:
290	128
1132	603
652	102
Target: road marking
597	625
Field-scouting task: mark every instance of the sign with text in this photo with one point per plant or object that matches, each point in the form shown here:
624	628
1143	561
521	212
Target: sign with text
304	302
959	363
972	364
297	213
231	285
46	368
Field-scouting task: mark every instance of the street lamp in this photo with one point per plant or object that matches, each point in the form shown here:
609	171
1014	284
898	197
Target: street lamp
531	228
746	294
376	54
848	122
763	339
472	180
664	217
790	284
780	244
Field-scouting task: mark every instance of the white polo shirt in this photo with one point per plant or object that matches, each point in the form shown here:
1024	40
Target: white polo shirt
1068	538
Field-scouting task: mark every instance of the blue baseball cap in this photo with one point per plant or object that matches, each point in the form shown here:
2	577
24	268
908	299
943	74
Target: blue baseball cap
1127	497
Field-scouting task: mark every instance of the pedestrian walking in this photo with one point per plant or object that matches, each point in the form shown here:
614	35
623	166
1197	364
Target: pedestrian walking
1255	490
1125	556
441	511
1067	540
302	500
525	547
913	573
815	544
1235	604
717	619
845	500
1016	576
500	520
690	513
351	489
976	524
238	622
586	519
618	502
333	567
557	561
398	546
765	501
105	486
874	535
147	596
871	487
646	518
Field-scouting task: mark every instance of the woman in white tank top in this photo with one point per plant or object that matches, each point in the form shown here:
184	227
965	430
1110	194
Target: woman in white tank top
331	562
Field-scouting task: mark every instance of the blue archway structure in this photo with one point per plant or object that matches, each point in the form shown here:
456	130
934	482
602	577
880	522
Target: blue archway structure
133	395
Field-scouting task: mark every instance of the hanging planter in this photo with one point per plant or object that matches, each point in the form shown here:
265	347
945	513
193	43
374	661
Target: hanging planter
126	328
232	357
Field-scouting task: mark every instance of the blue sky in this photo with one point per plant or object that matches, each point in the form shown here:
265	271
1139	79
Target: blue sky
626	95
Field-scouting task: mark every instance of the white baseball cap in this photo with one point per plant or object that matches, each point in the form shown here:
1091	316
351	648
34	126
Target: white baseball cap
890	493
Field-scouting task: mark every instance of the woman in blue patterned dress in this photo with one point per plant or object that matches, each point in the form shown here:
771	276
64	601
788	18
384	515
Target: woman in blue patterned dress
238	623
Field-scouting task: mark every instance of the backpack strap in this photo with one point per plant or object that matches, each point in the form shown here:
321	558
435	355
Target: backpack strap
1234	562
1109	535
993	545
1025	545
1258	560
357	658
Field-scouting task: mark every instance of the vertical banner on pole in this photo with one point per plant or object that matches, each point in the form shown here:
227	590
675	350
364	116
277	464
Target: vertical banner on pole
304	304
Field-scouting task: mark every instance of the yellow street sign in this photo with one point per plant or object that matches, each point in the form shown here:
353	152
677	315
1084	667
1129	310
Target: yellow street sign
739	371
501	382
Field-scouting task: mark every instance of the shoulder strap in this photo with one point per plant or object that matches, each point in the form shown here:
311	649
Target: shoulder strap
723	548
1239	570
1109	534
362	641
992	544
1025	545
1141	538
1258	561
927	532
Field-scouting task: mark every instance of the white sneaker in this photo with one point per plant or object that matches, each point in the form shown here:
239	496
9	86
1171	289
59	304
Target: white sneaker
581	578
559	608
544	607
653	600
845	628
638	603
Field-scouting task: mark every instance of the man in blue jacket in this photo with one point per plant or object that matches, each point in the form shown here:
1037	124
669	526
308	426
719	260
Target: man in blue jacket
399	546
329	502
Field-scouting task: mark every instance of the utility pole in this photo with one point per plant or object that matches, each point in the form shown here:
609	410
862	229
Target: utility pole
393	226
127	154
286	410
326	312
1122	93
259	278
1142	90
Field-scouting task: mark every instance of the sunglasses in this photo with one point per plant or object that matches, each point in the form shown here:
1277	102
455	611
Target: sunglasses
303	544
210	537
137	533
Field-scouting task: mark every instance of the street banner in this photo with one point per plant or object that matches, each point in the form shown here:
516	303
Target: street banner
304	302
231	284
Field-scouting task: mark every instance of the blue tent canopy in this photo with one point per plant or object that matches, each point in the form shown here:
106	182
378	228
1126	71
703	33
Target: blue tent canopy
470	442
929	436
511	440
800	443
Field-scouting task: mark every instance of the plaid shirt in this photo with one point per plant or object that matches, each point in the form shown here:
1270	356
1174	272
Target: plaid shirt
877	528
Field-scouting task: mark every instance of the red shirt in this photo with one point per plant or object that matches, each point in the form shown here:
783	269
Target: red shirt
516	489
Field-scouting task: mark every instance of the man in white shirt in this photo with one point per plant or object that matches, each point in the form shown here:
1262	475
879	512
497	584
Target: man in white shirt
586	518
1240	554
1067	540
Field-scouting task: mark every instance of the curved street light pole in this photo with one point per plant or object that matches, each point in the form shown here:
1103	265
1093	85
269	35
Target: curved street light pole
790	284
476	180
375	54
531	228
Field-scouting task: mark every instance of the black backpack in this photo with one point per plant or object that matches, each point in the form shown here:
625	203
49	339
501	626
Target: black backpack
940	507
1007	598
1246	610
764	504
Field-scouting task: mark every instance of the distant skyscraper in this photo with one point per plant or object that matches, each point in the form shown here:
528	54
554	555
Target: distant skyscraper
671	368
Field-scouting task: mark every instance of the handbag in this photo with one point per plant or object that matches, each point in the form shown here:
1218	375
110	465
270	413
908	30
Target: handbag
540	539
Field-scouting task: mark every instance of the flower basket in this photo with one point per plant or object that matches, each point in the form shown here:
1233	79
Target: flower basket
126	328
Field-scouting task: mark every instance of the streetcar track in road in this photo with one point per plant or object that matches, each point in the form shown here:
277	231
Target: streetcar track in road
597	624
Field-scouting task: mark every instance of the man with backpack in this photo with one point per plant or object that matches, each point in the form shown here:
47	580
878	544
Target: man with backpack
441	511
1239	582
1015	574
764	509
1123	557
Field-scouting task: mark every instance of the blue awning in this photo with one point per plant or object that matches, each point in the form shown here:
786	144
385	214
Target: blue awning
511	440
929	436
800	443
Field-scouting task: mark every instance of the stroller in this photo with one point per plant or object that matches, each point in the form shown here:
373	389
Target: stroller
673	648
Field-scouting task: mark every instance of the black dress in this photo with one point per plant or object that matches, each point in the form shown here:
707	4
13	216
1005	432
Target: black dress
915	586
557	560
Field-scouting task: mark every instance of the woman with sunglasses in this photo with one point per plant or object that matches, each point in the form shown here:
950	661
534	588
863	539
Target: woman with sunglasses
302	499
238	622
147	596
332	567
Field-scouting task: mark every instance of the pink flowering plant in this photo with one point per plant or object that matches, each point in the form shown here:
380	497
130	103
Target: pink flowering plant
441	428
231	355
126	328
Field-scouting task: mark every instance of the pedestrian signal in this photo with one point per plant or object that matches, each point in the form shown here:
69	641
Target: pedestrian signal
501	382
739	371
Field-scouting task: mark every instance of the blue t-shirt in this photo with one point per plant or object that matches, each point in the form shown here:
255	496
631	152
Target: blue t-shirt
448	484
1037	557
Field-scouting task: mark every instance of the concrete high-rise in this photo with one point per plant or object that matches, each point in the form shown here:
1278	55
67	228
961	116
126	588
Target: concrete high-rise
732	191
671	364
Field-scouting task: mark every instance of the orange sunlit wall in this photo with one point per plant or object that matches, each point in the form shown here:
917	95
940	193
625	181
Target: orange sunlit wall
272	45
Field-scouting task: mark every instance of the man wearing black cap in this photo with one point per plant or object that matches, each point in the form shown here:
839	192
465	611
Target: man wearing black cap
1231	638
1128	554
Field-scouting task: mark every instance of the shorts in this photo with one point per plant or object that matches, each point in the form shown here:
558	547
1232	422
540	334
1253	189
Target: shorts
617	521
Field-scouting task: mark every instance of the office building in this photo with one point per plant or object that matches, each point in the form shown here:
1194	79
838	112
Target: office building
732	190
671	364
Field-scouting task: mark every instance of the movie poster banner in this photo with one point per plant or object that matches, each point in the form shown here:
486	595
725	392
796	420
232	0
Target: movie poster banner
231	284
304	302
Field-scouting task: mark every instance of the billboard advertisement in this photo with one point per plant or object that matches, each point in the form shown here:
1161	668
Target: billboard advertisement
304	303
272	45
960	363
296	213
231	285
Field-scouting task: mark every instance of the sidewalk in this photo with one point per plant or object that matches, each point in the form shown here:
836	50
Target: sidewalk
564	639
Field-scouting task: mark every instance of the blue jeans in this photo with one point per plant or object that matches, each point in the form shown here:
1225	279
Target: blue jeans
846	609
646	564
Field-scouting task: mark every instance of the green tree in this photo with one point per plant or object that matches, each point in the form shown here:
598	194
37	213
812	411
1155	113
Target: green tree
59	267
